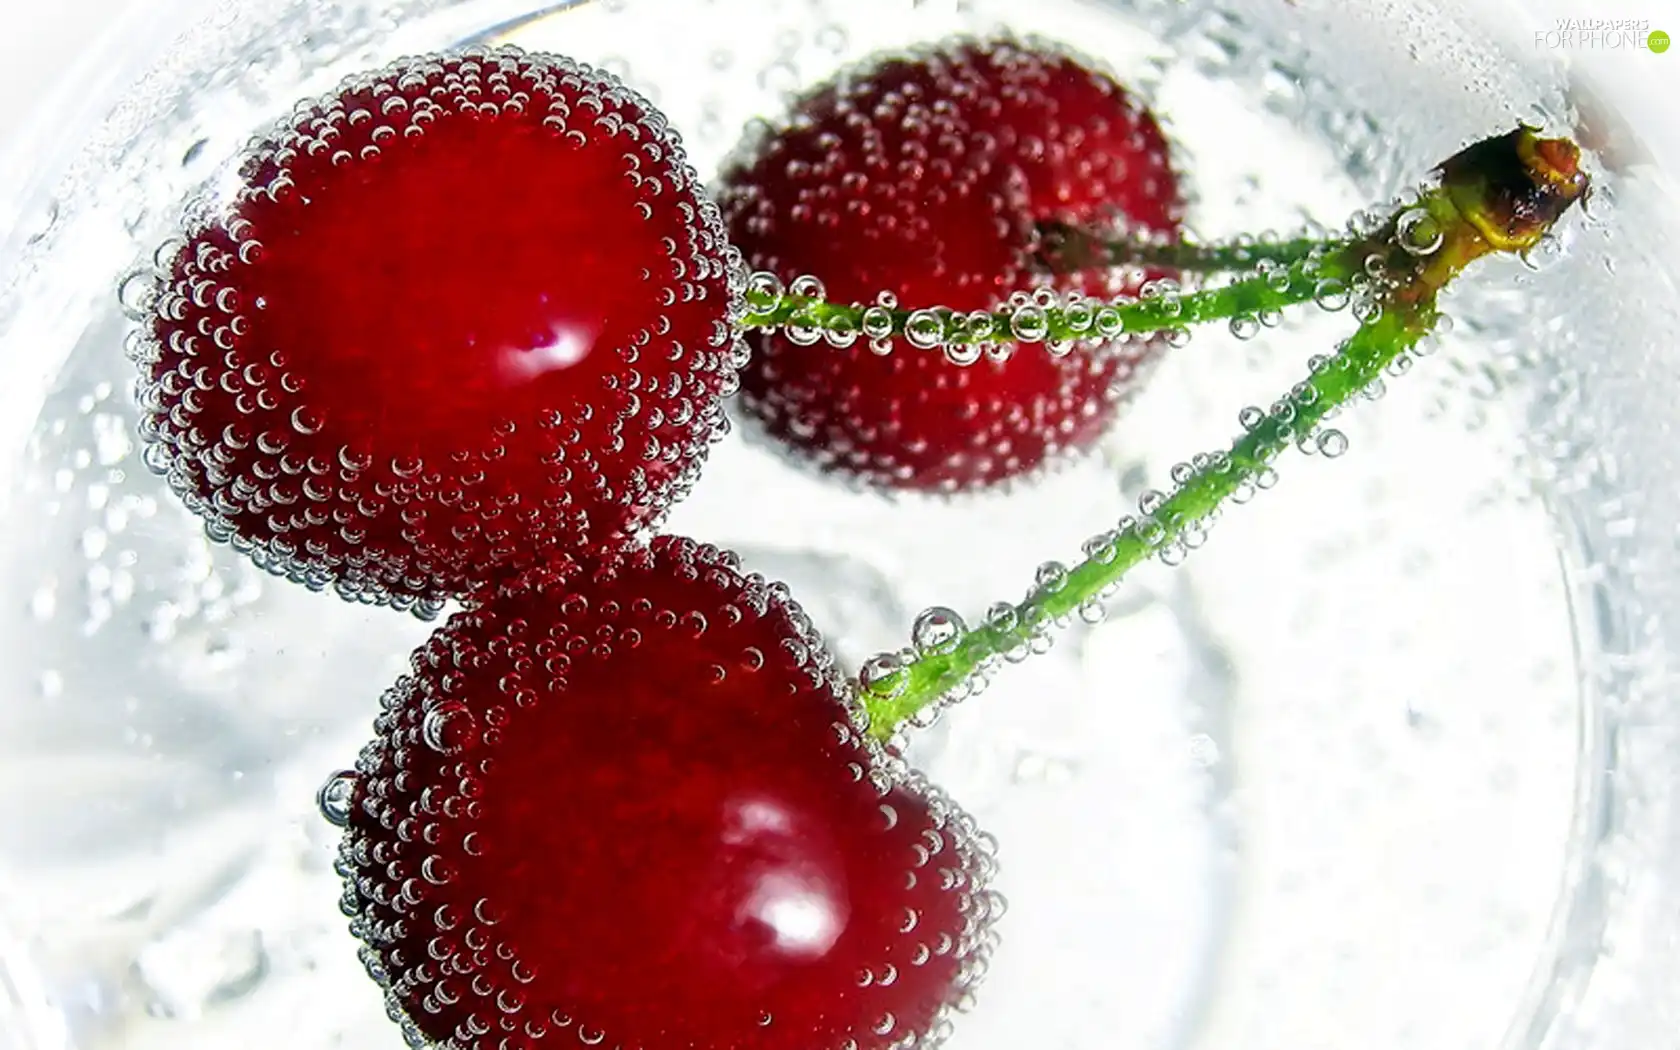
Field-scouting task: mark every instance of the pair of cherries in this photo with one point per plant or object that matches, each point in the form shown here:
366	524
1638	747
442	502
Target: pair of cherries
467	332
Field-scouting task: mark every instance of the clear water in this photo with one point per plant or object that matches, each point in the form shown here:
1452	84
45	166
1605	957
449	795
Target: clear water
1388	764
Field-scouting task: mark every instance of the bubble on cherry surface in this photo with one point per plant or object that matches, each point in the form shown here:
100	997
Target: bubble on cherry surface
448	728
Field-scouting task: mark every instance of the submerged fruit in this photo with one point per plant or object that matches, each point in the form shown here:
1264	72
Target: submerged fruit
924	176
629	806
462	315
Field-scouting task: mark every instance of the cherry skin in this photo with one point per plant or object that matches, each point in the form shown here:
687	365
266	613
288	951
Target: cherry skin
460	315
630	805
924	176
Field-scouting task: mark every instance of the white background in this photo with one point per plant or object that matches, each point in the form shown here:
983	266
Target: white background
38	39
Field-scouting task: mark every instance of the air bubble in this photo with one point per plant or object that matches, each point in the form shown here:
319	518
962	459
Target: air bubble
1029	324
832	38
764	289
1599	203
1051	577
336	797
802	330
448	728
877	322
137	293
1002	617
1331	294
1544	254
1102	547
884	675
937	630
1417	232
1108	321
839	332
924	329
805	286
1332	443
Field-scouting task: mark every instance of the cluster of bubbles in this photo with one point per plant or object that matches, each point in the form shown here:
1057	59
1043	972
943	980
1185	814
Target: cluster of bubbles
426	862
313	493
1063	321
1002	442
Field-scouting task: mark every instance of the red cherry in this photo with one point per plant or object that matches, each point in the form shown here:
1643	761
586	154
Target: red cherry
636	810
924	176
463	314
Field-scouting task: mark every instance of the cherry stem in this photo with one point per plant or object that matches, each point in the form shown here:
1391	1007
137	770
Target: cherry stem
1501	194
808	319
1064	248
1179	521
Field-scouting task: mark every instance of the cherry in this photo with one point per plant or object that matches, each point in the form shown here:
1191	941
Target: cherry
924	176
461	315
630	804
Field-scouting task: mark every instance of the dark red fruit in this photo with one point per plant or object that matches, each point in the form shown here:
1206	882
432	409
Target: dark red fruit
463	314
924	176
635	810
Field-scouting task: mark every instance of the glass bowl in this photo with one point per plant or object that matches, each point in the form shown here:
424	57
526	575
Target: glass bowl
1391	763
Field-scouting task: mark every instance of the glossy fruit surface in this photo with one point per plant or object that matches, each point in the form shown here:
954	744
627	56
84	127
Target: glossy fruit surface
461	315
628	806
923	176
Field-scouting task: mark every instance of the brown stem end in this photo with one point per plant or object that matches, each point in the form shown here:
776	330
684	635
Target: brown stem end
1512	188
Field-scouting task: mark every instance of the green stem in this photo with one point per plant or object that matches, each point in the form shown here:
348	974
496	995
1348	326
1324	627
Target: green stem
1323	274
892	695
1501	194
1064	248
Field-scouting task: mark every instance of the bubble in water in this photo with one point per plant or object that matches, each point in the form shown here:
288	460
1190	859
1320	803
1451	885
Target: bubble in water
806	286
1331	294
1332	443
1051	577
937	630
1029	324
764	289
1417	232
336	797
1545	254
924	329
136	292
884	675
877	322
